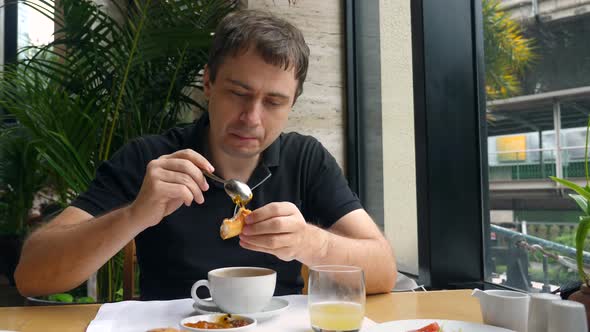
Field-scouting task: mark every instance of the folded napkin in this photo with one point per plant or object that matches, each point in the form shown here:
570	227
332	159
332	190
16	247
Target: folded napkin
140	316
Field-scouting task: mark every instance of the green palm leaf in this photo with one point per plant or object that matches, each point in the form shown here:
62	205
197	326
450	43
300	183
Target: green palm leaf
103	81
507	52
581	234
106	79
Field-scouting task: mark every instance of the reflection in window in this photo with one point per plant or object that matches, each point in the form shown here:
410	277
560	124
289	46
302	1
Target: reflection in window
538	107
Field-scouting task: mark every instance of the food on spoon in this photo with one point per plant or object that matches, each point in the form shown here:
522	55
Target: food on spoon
433	327
233	226
222	322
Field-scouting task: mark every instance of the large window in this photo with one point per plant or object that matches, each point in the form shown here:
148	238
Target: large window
34	28
536	129
501	97
21	25
2	29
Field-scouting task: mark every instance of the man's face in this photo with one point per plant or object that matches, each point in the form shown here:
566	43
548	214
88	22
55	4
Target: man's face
249	104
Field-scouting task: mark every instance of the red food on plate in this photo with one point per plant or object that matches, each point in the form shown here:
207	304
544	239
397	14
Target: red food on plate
434	327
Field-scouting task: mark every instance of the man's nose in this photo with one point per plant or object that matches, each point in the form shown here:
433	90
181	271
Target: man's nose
252	112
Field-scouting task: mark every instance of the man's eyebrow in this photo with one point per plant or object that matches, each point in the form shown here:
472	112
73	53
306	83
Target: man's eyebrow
247	87
239	83
279	95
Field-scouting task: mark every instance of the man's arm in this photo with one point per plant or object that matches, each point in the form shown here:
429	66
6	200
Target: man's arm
65	252
279	229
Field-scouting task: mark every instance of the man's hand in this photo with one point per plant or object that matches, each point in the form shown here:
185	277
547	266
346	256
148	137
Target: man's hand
170	181
278	229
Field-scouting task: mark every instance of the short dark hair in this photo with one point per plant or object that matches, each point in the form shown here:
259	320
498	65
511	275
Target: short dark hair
278	42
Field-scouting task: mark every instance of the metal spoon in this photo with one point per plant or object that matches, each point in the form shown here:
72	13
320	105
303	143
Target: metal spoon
237	190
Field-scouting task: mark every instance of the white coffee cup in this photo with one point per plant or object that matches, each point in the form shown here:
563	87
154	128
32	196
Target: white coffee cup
504	308
539	311
237	290
568	316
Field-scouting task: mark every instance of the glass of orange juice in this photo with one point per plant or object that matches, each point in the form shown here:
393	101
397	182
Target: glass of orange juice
336	298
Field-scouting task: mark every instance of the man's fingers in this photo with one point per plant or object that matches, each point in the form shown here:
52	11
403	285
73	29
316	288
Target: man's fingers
249	246
186	167
284	253
185	180
270	242
276	225
271	210
194	157
178	191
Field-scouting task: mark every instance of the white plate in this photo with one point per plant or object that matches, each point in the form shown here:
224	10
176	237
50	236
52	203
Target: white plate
213	318
275	307
447	325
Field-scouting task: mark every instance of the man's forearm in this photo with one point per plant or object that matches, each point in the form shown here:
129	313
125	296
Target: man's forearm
375	257
60	256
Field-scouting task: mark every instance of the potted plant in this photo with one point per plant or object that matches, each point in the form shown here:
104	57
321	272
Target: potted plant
582	197
20	178
106	79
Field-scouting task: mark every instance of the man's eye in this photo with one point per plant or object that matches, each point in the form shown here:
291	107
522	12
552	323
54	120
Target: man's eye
239	94
274	103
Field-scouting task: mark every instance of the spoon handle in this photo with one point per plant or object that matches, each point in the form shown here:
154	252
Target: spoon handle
213	177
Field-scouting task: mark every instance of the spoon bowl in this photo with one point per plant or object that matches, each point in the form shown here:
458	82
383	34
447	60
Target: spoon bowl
238	191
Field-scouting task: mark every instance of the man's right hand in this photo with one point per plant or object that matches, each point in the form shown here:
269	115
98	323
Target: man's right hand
170	181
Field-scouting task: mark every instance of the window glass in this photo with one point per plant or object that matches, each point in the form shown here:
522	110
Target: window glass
1	32
537	57
34	28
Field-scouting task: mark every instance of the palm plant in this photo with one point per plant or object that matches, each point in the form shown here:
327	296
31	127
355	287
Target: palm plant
104	81
507	52
20	178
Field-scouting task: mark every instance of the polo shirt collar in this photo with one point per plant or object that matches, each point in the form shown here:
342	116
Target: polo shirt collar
270	156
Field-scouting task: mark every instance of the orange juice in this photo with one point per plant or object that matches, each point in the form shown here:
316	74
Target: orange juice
336	316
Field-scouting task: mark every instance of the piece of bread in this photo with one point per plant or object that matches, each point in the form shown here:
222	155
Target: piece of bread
231	227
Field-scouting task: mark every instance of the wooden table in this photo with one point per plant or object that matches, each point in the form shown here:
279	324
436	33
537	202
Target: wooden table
456	304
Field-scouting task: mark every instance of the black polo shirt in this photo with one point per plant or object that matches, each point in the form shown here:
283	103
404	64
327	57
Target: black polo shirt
186	245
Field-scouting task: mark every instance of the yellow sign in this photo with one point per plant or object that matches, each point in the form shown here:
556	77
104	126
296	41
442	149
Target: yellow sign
511	148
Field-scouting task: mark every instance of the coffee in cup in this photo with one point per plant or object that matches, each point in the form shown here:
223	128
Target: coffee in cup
237	290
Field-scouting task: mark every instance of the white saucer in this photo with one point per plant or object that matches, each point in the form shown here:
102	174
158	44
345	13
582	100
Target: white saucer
275	307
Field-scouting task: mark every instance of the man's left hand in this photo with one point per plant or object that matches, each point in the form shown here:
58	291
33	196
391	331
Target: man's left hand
276	228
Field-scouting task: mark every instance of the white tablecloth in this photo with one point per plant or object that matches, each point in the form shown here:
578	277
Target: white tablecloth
140	316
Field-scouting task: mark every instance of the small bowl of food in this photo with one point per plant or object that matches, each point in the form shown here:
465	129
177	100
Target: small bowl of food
219	323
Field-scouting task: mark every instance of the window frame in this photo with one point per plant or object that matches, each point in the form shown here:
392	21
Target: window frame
10	31
449	108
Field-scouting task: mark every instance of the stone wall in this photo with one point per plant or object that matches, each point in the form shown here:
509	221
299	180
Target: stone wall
320	111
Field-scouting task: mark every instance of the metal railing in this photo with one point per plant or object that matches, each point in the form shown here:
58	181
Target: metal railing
546	244
515	254
535	164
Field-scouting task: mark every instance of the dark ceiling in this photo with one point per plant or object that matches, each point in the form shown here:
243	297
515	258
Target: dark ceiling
503	121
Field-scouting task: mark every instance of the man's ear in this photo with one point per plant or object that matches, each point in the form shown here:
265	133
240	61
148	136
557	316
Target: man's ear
206	82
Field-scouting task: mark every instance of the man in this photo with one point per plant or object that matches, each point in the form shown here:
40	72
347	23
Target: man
153	189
